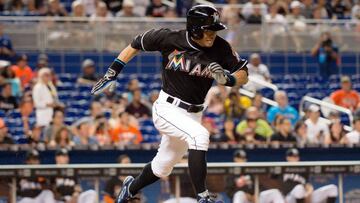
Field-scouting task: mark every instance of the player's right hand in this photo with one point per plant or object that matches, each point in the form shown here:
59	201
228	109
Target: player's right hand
107	82
217	72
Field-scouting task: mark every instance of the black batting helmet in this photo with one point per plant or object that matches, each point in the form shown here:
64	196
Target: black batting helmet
203	17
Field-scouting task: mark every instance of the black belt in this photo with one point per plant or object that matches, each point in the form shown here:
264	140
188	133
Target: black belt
188	107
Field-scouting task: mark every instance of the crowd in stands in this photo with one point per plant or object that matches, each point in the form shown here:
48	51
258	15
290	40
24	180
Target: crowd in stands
253	11
29	103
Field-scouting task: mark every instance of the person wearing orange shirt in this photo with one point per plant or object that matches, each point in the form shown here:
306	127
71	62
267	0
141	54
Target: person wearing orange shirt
23	71
346	96
125	133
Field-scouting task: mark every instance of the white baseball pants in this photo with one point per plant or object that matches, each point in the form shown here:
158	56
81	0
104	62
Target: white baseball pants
267	196
180	131
46	196
319	195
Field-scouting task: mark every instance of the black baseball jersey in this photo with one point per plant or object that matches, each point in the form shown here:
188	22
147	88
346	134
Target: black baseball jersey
290	180
64	187
30	187
184	72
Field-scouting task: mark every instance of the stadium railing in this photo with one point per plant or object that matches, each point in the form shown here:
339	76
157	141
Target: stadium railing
84	34
327	105
260	168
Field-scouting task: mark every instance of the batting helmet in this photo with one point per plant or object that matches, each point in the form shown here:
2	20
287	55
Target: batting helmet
203	17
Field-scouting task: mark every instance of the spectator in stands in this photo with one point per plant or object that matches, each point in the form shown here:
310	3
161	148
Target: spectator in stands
232	17
96	110
257	102
255	17
55	8
253	128
337	132
89	6
340	9
102	12
154	95
7	100
307	10
355	11
36	137
295	13
132	85
83	135
17	7
170	12
229	132
23	71
276	25
235	105
317	128
9	76
284	134
126	133
45	98
67	189
210	126
127	9
283	108
301	132
136	107
346	96
5	138
324	9
102	131
78	9
32	189
327	56
216	105
240	188
56	123
257	70
249	7
114	184
156	9
88	73
353	137
26	113
6	50
62	138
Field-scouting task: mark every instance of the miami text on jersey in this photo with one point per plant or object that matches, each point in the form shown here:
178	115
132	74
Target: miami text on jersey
177	61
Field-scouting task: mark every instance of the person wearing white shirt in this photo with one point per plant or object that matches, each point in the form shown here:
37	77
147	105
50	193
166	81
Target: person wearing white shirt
353	137
248	8
258	70
45	97
276	25
317	128
355	11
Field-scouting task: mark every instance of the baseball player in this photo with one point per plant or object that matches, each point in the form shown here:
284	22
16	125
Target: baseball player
192	59
241	188
296	189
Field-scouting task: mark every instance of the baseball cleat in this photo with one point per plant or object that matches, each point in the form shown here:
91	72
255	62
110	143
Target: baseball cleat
125	195
206	197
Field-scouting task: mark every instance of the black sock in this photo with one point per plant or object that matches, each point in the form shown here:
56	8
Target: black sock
197	169
145	178
300	200
331	200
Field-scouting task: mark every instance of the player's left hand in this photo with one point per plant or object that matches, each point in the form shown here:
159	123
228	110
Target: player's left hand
108	81
218	73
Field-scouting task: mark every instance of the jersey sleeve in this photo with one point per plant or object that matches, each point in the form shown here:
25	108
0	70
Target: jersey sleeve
151	40
231	60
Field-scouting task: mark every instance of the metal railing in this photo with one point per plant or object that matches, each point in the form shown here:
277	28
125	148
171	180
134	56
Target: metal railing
257	168
84	34
329	106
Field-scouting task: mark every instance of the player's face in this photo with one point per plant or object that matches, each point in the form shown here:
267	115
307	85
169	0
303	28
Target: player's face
292	158
208	39
62	159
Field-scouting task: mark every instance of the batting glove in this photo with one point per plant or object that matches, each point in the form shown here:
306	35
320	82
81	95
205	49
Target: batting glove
218	73
108	81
